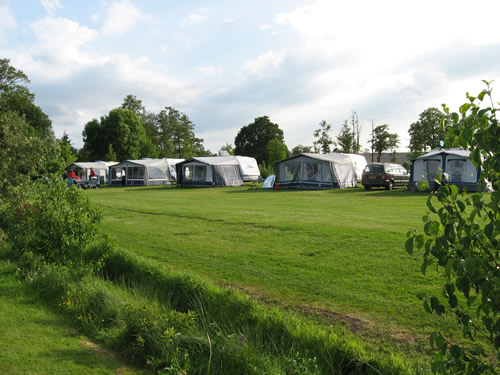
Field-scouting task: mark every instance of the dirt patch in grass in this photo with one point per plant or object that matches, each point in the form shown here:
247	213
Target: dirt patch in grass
356	325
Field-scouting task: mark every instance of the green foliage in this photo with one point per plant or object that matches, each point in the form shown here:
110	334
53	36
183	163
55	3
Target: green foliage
323	138
277	151
253	139
462	237
48	222
345	139
426	133
121	128
299	149
382	140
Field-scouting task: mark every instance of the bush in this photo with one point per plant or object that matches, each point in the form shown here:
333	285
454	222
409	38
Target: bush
49	222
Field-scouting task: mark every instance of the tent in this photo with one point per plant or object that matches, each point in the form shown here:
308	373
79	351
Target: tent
316	171
140	172
209	171
455	162
171	168
101	169
269	182
249	168
359	162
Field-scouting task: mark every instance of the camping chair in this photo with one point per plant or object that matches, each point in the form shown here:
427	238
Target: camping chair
94	183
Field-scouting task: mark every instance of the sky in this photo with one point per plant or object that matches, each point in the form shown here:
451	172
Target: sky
226	62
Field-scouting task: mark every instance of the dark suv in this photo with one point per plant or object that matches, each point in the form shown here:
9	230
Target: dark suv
385	175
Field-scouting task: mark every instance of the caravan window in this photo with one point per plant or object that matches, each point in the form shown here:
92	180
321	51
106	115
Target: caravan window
292	172
312	172
200	173
188	172
456	169
432	168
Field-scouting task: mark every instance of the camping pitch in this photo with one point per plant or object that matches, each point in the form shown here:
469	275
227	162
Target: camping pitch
455	162
209	172
316	171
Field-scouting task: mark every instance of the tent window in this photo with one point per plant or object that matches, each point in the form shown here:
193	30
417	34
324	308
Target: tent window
140	173
292	172
312	172
432	168
135	174
229	172
456	169
200	173
188	172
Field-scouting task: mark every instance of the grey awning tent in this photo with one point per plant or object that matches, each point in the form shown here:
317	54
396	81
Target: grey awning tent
455	162
316	171
213	171
140	172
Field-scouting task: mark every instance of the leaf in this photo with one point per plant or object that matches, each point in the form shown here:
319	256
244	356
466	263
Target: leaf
454	191
427	308
463	284
429	204
461	206
455	351
453	301
464	108
449	267
481	95
465	137
409	245
488	230
455	116
476	157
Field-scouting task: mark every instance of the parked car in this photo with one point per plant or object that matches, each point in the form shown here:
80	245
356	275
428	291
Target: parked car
386	175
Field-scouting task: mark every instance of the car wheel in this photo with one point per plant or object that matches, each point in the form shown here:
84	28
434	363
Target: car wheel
367	187
390	185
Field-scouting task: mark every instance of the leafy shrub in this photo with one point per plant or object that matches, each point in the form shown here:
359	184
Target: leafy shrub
462	236
49	222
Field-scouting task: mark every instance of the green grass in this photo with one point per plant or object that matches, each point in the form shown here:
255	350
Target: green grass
36	341
336	253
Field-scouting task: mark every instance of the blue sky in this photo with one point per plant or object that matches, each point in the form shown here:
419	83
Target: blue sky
226	62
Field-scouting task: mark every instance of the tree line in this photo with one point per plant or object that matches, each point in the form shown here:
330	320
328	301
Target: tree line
130	131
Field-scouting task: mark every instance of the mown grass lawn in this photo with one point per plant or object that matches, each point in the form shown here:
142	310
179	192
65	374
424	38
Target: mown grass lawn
333	252
36	341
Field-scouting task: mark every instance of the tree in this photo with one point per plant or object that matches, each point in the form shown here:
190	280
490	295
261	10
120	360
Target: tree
426	133
345	139
10	77
68	154
26	131
299	149
253	139
462	236
323	138
356	132
382	140
121	128
23	154
176	137
227	148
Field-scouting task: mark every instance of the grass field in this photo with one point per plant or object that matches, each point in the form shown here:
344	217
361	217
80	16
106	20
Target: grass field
335	254
36	341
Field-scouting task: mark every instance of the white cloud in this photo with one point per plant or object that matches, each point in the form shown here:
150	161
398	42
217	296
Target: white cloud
59	47
51	5
211	70
265	62
264	26
8	22
198	17
121	17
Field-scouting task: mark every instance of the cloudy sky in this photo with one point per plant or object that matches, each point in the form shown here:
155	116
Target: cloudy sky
226	62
